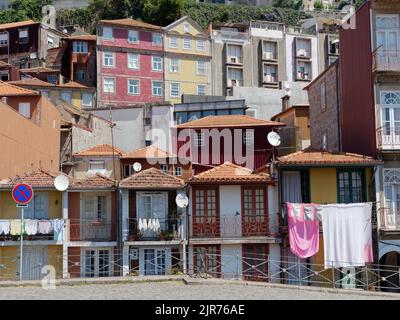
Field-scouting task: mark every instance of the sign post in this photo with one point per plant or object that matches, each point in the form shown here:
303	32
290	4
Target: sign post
22	195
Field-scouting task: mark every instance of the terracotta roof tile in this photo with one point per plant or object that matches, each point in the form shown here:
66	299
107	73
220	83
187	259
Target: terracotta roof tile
73	85
17	24
100	150
229	173
96	181
38	70
318	157
148	152
152	179
84	37
7	89
131	23
35	82
36	179
227	121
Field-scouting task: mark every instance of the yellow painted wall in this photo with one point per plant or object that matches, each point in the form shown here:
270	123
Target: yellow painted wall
323	185
55	259
82	166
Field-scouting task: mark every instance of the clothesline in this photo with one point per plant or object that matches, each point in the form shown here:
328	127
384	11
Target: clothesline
31	227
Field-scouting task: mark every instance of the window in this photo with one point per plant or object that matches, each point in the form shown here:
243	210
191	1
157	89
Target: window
133	36
152	205
156	63
201	90
351	186
175	89
323	96
23	36
107	33
206	259
200	45
80	46
24	108
157	39
205	212
254	255
187	43
133	61
87	99
108	85
97	263
81	75
201	67
97	166
186	27
3	39
164	168
50	42
174	65
127	170
156	88
108	59
133	87
52	78
66	96
173	42
178	171
154	262
199	139
234	53
148	143
39	206
248	138
324	142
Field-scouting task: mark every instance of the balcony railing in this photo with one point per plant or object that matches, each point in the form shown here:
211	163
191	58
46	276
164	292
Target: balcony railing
388	137
232	35
90	230
154	229
32	229
235	226
390	219
386	60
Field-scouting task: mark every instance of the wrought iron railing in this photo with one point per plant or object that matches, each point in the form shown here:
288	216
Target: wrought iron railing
90	230
153	229
386	60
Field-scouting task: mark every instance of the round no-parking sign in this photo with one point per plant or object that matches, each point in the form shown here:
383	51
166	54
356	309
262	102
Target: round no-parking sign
22	193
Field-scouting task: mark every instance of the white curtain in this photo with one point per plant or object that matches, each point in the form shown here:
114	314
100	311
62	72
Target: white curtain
292	187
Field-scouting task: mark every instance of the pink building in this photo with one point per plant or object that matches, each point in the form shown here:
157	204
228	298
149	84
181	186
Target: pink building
130	63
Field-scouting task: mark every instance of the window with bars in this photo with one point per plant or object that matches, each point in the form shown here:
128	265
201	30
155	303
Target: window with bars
351	186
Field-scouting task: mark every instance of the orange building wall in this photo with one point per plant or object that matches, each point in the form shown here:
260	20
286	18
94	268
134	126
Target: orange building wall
26	144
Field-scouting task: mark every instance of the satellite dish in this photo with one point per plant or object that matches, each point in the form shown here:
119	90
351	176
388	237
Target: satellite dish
274	139
137	166
61	183
182	200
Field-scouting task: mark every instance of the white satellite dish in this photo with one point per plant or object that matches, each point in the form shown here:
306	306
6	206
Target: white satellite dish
274	139
182	200
137	166
61	183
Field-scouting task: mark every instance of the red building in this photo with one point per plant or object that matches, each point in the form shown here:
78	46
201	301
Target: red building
129	63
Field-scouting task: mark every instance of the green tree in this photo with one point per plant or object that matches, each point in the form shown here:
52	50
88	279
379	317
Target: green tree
23	10
162	12
292	4
318	4
108	9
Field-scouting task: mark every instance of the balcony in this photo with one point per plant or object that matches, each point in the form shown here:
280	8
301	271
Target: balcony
390	219
32	229
154	229
385	60
232	35
225	226
90	230
388	137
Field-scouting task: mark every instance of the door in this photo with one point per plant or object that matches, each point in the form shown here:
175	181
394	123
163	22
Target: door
97	263
390	115
38	208
254	208
206	219
33	260
154	262
388	42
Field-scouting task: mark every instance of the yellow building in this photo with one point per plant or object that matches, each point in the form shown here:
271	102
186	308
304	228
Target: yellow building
187	60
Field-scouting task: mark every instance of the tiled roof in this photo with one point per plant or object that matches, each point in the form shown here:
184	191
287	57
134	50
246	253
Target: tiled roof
17	24
36	179
35	82
318	157
227	121
7	89
131	23
4	64
84	37
74	85
39	70
100	150
96	181
152	179
229	173
148	152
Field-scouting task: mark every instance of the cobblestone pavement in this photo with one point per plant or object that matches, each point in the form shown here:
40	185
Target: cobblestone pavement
172	290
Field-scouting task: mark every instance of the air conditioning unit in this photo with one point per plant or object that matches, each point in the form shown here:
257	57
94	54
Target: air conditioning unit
33	55
268	55
301	53
233	59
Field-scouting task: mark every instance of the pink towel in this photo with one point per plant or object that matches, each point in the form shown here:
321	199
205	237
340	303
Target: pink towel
303	229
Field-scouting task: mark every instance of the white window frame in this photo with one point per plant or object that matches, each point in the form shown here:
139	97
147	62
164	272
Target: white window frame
113	86
164	168
178	91
66	96
96	163
173	44
83	99
80	47
50	41
130	66
138	87
158	64
153	87
154	36
202	47
24	108
162	195
186	26
112	58
203	93
201	71
187	43
174	65
39	206
178	172
3	39
110	29
24	31
136	36
84	270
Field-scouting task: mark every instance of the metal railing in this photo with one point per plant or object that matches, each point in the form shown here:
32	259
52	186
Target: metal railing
386	60
226	226
388	137
390	219
153	229
90	230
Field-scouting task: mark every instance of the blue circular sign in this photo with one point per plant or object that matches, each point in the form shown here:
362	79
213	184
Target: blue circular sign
22	193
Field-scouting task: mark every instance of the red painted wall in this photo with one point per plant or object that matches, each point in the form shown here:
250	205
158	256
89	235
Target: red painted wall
74	215
356	85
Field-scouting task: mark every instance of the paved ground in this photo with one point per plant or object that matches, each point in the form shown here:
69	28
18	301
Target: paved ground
175	290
